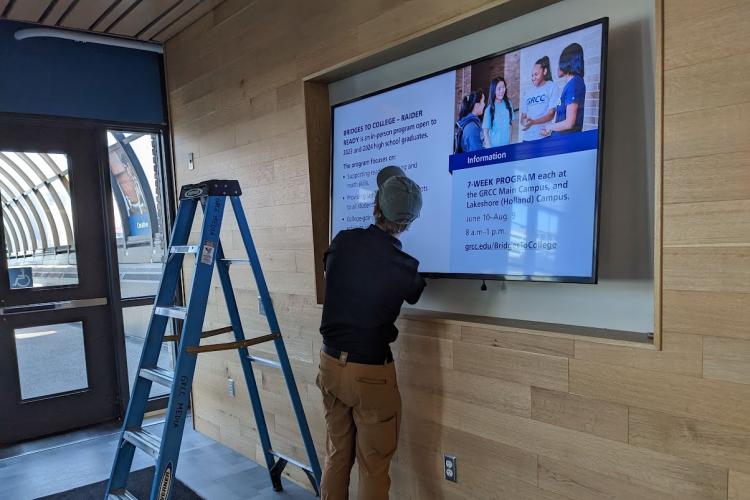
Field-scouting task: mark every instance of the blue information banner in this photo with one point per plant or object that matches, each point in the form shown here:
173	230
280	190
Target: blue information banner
556	144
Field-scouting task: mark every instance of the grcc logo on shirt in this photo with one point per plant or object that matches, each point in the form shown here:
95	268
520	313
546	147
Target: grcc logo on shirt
536	99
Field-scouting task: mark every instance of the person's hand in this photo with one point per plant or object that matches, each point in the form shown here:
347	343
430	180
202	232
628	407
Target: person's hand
545	132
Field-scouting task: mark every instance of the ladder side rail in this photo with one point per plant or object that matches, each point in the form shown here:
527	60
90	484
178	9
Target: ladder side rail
278	342
179	400
239	335
152	346
252	253
299	410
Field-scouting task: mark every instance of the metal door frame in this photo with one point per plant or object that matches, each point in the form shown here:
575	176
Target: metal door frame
96	153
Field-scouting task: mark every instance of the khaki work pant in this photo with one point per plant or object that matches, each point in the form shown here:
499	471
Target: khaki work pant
363	414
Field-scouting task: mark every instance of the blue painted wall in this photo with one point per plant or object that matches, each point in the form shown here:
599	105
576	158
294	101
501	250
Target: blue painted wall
55	77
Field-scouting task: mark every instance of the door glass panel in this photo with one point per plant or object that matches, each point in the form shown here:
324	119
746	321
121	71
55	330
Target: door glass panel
37	220
136	320
135	172
51	359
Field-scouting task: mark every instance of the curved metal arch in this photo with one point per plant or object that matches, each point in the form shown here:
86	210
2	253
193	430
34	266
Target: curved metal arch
9	229
66	218
10	237
122	207
64	176
55	197
142	180
33	209
25	209
33	188
24	215
23	243
7	215
43	231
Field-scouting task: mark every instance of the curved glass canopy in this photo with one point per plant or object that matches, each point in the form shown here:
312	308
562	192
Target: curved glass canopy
39	224
36	205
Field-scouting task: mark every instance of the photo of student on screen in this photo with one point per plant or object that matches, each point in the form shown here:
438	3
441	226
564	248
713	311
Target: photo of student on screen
537	105
468	128
569	110
498	115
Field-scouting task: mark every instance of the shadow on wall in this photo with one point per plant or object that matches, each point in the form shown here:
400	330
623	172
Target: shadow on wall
421	441
627	196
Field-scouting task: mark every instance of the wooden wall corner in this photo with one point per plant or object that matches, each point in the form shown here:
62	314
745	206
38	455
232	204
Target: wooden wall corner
318	130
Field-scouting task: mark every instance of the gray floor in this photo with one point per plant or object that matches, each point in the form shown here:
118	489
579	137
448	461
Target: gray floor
209	468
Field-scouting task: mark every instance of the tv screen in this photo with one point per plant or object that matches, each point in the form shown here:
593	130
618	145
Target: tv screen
506	150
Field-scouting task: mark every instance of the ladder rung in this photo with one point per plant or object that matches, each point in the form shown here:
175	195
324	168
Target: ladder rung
176	312
184	249
158	375
291	460
232	345
264	361
144	440
121	495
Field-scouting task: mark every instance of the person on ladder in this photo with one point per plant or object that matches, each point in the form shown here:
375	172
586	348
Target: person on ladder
368	278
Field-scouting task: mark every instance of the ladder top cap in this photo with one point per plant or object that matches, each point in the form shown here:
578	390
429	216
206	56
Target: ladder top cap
214	187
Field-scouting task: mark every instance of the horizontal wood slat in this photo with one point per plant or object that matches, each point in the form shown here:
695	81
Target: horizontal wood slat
697	440
712	400
600	418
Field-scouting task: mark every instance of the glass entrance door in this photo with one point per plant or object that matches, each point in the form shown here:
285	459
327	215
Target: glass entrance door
139	192
58	368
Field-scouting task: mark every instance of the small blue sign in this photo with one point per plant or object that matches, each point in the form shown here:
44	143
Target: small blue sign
140	225
20	277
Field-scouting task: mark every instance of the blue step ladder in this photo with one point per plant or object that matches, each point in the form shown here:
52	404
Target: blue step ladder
212	195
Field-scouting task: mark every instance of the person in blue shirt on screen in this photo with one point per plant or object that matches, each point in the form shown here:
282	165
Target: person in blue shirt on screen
538	102
498	115
468	133
569	111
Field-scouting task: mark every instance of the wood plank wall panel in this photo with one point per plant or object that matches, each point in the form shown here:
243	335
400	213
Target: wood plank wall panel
530	414
726	359
739	486
581	484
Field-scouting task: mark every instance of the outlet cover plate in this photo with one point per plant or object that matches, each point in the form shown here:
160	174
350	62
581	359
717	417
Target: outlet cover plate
449	466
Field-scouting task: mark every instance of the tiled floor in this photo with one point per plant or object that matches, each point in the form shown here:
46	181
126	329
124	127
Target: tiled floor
209	468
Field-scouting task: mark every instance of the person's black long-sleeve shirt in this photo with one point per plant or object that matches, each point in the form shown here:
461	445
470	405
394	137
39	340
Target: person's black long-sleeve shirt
368	278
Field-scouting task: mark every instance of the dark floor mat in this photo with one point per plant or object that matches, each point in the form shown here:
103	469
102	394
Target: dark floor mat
139	484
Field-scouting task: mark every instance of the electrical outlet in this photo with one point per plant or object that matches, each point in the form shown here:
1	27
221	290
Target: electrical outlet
230	387
449	463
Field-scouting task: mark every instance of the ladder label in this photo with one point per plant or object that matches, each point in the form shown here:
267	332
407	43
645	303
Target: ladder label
181	392
207	254
166	482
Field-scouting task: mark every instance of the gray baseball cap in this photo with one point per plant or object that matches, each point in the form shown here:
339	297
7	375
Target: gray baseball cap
400	198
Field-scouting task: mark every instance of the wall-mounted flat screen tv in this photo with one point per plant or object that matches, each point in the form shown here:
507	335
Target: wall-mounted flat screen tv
507	152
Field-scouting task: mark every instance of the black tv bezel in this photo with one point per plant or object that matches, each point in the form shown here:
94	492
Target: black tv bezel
594	278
